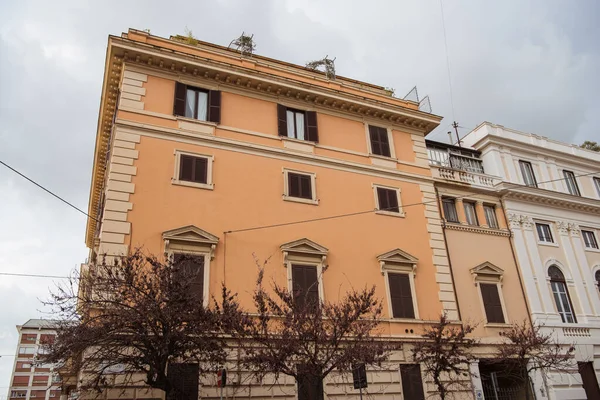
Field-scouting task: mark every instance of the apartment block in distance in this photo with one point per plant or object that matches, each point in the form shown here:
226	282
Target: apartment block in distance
551	193
482	260
198	143
29	380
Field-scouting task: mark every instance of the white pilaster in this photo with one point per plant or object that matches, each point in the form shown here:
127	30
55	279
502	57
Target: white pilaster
587	277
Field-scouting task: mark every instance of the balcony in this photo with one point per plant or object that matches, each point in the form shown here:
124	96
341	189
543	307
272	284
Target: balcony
471	178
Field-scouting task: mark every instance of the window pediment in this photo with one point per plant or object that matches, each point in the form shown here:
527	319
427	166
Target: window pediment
304	248
190	239
397	260
487	272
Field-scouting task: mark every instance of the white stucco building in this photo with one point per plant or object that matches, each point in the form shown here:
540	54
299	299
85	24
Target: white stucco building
551	192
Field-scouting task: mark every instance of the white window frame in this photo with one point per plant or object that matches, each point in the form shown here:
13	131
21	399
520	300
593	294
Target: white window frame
390	141
209	170
596	183
313	187
206	267
399	262
593	232
304	252
398	196
567	175
552	233
532	173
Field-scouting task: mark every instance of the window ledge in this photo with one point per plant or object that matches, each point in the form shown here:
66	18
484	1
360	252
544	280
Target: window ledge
208	186
297	144
391	213
301	200
591	249
551	244
196	125
496	325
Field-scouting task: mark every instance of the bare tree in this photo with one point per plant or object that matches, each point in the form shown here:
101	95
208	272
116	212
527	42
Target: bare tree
297	335
528	349
445	353
136	317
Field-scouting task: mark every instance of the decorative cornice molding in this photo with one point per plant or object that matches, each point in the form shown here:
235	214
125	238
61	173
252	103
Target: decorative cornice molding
574	229
517	221
563	227
477	229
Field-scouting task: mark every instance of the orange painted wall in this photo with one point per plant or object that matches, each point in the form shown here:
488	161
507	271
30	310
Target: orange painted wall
468	250
248	193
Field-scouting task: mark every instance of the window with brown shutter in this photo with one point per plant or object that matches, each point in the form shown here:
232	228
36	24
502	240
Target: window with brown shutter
184	380
196	103
191	267
491	303
388	200
299	185
305	285
401	296
310	387
380	144
297	124
193	169
589	380
412	382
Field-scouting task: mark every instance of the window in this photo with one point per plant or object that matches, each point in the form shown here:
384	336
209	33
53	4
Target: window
449	206
184	379
544	233
28	338
380	143
528	175
193	170
597	184
190	267
571	183
589	238
470	213
597	277
310	387
491	303
490	216
401	296
200	104
300	187
387	199
412	383
305	285
561	295
18	394
26	350
296	124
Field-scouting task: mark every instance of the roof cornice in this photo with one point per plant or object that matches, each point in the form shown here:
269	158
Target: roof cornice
550	198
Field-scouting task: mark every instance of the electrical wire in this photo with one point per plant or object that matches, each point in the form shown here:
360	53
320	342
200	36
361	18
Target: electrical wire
515	185
34	275
48	191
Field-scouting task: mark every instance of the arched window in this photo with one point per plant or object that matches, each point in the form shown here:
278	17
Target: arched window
597	276
561	294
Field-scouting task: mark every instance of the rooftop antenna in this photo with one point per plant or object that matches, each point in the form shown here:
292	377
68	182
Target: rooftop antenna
450	136
244	44
455	126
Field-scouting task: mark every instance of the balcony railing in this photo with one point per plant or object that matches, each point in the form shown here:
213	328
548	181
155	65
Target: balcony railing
471	178
575	331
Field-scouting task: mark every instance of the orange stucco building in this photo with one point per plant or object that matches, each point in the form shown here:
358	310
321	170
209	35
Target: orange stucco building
231	157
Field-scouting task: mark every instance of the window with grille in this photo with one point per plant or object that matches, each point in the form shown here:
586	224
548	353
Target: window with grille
544	233
490	216
571	183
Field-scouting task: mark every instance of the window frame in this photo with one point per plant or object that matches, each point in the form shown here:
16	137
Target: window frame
522	166
407	374
295	111
319	272
398	191
175	180
594	240
596	181
197	92
473	204
571	183
540	240
492	208
292	259
450	200
399	262
390	139
488	273
561	283
313	185
498	288
205	254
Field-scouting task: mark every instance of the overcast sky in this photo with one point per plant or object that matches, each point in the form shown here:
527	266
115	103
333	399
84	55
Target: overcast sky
529	65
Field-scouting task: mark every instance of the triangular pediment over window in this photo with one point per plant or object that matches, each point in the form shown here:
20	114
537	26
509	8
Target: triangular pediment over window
397	260
487	271
190	233
304	246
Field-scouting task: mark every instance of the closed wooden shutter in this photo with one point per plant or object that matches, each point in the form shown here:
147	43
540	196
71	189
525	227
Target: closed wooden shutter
193	169
179	103
379	141
388	200
184	379
589	380
310	387
311	124
401	296
299	185
214	106
412	383
186	168
491	302
191	267
305	284
281	120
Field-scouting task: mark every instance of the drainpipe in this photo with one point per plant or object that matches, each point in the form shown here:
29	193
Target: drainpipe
437	197
512	249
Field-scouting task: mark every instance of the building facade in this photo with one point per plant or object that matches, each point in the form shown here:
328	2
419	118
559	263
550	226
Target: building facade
551	194
202	150
490	292
30	380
